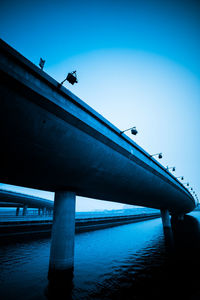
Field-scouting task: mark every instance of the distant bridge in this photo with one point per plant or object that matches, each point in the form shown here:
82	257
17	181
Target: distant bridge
13	199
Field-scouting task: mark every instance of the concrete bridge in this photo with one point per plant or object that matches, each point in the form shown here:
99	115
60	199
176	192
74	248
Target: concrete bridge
19	200
54	141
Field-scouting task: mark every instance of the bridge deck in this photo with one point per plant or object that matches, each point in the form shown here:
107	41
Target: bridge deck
54	141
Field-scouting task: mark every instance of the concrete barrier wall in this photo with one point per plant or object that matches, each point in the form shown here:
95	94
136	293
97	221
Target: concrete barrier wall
9	229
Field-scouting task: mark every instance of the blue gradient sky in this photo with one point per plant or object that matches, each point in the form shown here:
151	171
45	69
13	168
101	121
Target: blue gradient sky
137	63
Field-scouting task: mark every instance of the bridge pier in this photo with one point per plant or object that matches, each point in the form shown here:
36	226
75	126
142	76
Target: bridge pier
17	211
24	210
167	228
61	262
165	219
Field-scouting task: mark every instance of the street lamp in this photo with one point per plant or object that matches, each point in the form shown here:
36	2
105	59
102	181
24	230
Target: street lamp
41	63
157	154
71	78
180	177
132	129
173	168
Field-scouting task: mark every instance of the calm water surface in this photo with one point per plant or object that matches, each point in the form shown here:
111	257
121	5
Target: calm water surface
131	261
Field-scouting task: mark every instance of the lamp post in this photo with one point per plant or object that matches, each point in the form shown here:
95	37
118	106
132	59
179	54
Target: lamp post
71	78
173	168
132	129
157	154
41	63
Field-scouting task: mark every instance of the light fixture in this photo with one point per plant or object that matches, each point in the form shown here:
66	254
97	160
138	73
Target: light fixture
41	63
187	183
132	129
180	177
71	78
157	154
173	168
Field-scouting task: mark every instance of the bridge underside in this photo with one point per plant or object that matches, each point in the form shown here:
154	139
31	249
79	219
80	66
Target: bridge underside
44	147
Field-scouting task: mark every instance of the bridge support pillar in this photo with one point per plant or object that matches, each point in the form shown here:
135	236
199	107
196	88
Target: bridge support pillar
165	218
167	228
24	210
17	211
63	232
44	211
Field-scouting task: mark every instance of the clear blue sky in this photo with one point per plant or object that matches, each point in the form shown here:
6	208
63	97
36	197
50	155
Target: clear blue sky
137	62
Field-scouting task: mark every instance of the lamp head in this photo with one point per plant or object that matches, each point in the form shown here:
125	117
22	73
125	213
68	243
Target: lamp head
134	131
72	78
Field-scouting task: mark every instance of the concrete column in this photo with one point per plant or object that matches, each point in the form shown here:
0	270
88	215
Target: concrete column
17	211
165	218
24	210
63	232
44	211
167	228
39	211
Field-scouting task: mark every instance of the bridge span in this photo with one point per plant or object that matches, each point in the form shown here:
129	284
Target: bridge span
52	140
13	199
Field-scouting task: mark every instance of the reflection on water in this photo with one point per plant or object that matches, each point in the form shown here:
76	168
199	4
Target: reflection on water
123	262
